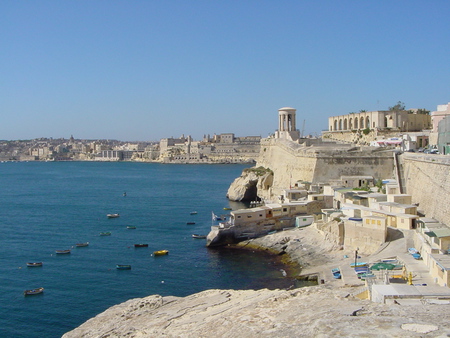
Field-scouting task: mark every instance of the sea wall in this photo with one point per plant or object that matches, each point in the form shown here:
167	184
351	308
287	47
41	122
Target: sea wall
292	162
427	179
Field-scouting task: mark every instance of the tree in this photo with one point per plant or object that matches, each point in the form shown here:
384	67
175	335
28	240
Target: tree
398	107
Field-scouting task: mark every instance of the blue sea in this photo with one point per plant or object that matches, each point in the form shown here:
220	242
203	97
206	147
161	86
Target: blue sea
48	206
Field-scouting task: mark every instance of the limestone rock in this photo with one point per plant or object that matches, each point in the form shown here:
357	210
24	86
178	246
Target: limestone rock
251	185
307	312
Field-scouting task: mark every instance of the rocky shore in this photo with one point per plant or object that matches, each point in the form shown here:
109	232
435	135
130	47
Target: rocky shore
329	309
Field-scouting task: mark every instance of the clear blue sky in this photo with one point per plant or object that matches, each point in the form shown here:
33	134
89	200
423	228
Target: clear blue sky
144	70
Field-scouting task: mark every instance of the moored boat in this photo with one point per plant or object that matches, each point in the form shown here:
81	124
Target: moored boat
112	215
34	264
131	227
412	251
193	212
105	233
80	245
227	208
358	264
62	252
190	223
336	273
198	236
160	252
123	267
141	245
33	291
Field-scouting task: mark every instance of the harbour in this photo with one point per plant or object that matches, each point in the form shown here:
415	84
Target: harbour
44	211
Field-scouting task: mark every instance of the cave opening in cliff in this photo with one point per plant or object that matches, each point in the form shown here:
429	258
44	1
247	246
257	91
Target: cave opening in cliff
251	193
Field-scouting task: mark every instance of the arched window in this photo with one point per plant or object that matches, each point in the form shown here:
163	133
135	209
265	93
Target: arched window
345	124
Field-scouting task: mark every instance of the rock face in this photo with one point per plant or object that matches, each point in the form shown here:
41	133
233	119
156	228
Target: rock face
307	312
252	185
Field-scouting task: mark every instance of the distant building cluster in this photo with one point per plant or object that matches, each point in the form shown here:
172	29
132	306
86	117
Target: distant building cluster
223	148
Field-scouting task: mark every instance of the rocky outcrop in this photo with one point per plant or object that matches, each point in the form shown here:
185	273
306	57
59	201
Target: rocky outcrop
254	184
307	312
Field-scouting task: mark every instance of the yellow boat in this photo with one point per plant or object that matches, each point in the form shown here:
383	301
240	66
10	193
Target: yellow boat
160	252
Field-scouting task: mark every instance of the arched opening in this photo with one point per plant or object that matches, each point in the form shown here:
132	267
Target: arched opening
356	123
367	122
345	124
350	122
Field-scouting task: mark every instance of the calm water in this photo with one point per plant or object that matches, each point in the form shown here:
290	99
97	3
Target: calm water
51	206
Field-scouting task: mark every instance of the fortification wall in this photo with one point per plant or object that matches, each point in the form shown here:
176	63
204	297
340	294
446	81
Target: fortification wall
292	162
427	180
358	137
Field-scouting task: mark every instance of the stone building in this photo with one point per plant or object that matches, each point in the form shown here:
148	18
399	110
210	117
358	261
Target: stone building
405	121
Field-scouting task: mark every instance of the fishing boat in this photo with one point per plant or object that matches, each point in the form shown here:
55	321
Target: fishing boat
123	267
33	291
141	245
198	236
81	245
190	223
336	273
62	252
105	233
160	252
131	227
412	251
34	264
227	208
358	264
112	215
193	212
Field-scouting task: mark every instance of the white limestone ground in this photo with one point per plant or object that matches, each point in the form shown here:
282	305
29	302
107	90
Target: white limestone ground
320	311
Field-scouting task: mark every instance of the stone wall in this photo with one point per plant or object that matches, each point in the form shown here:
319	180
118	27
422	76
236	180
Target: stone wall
427	180
292	163
358	137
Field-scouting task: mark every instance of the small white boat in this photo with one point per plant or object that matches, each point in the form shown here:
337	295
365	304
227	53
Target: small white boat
112	215
33	291
34	264
80	245
198	236
62	252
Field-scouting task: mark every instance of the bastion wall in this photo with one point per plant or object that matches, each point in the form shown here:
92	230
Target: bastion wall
293	162
427	180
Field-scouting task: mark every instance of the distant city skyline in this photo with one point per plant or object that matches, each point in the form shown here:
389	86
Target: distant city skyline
146	70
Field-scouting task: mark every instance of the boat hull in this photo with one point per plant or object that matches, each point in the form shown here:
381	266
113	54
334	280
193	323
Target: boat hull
34	264
123	267
33	292
62	252
161	253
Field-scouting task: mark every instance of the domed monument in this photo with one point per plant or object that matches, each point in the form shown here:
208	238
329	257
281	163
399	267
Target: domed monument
286	124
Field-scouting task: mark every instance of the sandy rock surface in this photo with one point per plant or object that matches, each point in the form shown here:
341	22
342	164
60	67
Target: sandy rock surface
308	312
